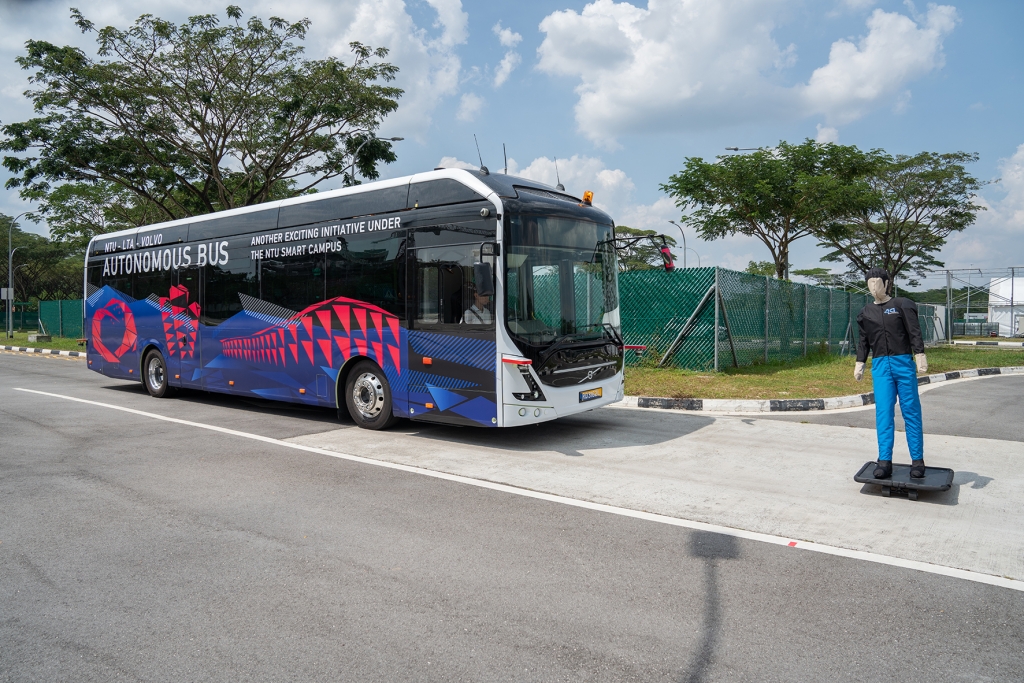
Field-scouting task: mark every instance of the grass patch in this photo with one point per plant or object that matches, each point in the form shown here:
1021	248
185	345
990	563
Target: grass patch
60	343
817	376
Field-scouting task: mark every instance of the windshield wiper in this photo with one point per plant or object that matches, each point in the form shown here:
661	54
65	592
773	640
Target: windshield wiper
568	340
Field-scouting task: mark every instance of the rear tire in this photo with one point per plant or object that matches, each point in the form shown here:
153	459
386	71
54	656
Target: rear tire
154	375
368	396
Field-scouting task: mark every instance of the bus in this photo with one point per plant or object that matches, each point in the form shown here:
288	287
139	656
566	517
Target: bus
452	296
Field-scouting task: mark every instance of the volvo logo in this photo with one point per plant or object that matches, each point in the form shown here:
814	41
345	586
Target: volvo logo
590	376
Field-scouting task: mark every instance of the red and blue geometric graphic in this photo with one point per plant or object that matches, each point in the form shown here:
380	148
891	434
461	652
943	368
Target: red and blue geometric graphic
338	329
181	322
121	323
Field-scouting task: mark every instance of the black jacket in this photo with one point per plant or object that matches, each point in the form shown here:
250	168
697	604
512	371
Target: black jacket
889	329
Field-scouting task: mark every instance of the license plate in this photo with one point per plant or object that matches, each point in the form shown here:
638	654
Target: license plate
590	395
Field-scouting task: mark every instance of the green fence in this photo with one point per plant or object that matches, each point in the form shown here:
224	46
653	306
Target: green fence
712	318
25	316
61	318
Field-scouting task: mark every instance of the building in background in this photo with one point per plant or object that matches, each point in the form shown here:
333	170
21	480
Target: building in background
1006	305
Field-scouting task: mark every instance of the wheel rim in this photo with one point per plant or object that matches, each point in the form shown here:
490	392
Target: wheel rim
155	372
368	395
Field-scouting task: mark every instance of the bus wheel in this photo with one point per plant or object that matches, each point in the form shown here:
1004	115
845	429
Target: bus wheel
154	375
368	396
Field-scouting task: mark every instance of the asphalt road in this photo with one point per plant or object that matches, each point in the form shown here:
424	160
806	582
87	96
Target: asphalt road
137	549
989	408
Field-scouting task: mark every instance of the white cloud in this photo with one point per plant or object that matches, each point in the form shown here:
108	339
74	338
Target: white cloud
506	36
511	60
895	51
706	63
428	62
612	188
826	134
997	239
469	107
454	162
508	64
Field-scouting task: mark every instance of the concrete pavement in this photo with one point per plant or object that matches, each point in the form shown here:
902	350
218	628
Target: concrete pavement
137	549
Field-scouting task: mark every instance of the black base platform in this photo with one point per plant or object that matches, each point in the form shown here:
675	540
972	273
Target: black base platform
935	479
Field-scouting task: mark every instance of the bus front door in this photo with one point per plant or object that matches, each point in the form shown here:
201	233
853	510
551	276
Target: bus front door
451	338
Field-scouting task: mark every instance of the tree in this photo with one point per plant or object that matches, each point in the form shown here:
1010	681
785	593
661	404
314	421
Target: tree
916	202
173	120
823	277
762	268
777	195
642	254
43	268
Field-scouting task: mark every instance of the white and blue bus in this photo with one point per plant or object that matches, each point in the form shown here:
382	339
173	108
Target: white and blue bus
453	296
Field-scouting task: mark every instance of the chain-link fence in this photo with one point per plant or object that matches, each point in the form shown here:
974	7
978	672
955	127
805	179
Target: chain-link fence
61	318
932	319
712	318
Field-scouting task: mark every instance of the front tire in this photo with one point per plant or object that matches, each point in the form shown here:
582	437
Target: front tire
154	375
368	396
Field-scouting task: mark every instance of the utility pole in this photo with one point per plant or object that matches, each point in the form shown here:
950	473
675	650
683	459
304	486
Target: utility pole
949	307
1013	319
10	276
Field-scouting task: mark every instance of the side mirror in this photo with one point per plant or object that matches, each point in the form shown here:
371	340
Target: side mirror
483	277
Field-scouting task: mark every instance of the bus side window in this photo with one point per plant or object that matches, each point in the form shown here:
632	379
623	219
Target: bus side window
370	268
156	283
428	303
292	282
94	277
223	283
446	291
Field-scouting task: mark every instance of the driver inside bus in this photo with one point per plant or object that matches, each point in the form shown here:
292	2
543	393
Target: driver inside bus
480	312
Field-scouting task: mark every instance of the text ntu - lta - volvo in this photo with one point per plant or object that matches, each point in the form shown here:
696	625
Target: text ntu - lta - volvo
452	296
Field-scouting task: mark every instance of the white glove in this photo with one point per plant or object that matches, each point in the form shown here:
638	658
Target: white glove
922	363
858	371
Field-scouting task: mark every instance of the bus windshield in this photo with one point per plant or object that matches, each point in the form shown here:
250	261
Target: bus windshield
560	280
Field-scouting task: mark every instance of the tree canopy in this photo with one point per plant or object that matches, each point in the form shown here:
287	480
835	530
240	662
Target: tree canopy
762	268
642	254
777	195
915	203
43	268
171	121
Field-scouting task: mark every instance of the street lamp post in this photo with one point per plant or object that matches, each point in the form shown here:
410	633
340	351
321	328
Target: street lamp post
352	167
10	273
16	269
698	258
684	243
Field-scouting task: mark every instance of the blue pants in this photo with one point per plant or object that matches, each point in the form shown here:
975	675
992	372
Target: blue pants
892	376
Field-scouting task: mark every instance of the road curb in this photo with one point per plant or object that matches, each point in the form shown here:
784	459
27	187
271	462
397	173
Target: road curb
44	352
1002	345
725	405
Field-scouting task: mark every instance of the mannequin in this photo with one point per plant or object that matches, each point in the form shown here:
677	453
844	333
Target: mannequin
891	332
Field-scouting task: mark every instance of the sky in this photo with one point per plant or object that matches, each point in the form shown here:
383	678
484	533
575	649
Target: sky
622	93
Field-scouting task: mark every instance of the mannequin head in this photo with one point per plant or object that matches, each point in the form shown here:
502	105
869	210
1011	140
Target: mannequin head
878	284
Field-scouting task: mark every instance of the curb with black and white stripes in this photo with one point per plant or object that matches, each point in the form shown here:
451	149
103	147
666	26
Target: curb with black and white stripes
44	352
1000	344
727	405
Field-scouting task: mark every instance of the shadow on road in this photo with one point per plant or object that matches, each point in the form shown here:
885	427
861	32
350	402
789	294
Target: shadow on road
950	497
570	436
710	548
256	405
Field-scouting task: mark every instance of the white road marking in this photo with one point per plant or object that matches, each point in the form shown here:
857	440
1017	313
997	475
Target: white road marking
977	577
